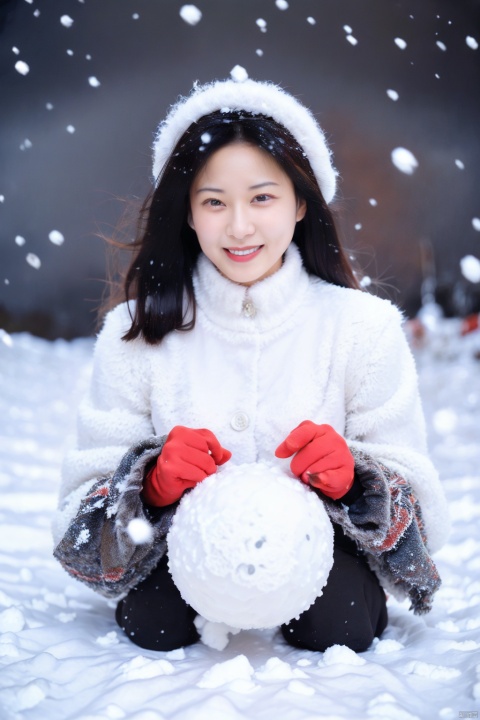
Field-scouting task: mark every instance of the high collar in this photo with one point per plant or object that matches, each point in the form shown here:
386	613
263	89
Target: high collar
262	306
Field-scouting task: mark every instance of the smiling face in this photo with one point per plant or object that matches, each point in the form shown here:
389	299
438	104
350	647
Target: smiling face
243	209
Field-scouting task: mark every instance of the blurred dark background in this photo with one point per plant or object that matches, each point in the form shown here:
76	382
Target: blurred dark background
69	150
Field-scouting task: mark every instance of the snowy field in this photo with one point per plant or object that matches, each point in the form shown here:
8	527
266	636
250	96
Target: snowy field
63	657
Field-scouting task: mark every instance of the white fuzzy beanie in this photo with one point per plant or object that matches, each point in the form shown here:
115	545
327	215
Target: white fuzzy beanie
256	97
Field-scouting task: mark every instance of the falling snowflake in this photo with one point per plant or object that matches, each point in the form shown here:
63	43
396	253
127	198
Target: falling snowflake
22	67
404	160
470	267
56	237
239	74
445	421
140	531
190	14
33	260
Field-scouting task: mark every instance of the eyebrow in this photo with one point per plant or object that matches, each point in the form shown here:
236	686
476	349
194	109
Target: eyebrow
252	187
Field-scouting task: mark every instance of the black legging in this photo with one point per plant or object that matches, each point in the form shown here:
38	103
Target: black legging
351	611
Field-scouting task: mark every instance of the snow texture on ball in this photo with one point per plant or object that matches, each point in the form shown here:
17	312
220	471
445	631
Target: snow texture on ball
250	547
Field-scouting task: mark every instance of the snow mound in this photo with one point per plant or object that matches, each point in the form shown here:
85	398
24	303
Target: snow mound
238	668
341	655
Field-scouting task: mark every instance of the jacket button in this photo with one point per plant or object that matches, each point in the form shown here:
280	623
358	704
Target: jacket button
240	421
249	309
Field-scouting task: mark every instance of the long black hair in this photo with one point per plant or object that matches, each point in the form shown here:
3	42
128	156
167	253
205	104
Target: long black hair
160	275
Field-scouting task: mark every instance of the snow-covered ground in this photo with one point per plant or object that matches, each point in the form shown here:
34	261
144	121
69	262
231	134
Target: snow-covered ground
63	657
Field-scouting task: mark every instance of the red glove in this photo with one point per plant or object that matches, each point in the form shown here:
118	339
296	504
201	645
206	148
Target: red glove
187	457
469	324
322	458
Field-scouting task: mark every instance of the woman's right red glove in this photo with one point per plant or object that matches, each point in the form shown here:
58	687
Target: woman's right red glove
187	458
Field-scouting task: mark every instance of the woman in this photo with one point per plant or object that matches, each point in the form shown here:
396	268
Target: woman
245	337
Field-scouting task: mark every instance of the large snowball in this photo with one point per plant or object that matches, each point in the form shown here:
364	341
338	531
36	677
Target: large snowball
250	547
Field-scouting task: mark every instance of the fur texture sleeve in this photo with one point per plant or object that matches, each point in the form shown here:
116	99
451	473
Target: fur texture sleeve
97	547
386	523
113	416
385	417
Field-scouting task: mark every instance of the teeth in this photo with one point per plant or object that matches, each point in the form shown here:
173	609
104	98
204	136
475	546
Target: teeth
244	252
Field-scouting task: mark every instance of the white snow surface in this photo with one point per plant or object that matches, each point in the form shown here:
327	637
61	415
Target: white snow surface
63	657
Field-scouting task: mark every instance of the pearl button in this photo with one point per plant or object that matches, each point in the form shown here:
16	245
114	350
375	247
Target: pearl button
240	421
249	309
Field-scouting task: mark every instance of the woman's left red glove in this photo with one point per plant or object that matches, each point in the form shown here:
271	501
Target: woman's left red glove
322	458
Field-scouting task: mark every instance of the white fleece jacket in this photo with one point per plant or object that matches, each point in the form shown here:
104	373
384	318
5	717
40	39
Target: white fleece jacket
259	361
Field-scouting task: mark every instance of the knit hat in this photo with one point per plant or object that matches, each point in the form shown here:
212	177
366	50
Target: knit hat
264	98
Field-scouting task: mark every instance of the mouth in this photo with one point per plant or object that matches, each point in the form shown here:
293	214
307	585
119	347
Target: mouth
243	254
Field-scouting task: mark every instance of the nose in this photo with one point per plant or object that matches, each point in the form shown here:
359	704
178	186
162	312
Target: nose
240	224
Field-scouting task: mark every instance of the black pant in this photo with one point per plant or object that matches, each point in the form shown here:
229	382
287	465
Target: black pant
351	611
